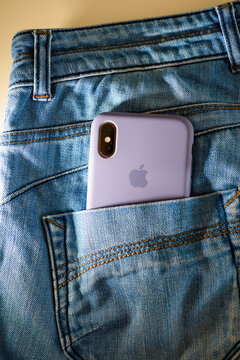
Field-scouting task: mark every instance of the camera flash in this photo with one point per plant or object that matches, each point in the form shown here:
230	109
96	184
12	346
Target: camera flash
107	139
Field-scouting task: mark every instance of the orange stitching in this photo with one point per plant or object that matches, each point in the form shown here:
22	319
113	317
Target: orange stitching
133	44
151	111
201	111
42	32
236	67
140	252
22	53
225	5
233	107
39	131
54	138
196	106
142	241
138	43
224	107
42	96
26	57
231	200
54	222
132	248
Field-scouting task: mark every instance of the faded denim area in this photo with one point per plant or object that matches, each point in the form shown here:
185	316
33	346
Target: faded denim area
156	280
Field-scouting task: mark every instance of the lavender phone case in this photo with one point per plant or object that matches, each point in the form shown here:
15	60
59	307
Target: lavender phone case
152	160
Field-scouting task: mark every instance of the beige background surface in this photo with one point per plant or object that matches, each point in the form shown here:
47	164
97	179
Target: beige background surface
28	14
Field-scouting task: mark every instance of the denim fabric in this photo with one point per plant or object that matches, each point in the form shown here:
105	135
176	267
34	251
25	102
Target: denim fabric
155	280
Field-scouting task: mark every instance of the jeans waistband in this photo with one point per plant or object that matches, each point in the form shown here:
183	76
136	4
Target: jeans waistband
42	57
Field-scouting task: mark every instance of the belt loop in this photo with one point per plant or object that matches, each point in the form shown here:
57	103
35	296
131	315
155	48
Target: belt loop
231	35
42	65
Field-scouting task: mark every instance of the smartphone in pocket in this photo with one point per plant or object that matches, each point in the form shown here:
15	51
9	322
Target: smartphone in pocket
137	158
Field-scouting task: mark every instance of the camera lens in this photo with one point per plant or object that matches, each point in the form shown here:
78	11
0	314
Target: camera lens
107	139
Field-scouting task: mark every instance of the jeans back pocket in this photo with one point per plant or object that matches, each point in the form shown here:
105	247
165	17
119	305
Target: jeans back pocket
156	280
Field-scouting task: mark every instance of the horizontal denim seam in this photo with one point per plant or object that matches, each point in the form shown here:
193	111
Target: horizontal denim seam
213	107
208	30
220	108
134	44
195	106
194	231
53	138
139	247
23	53
88	132
23	58
143	251
141	42
47	130
118	70
205	132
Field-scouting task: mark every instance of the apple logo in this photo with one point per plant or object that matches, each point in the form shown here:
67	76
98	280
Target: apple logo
138	177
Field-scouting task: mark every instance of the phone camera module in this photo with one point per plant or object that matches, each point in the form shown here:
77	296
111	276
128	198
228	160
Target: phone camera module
107	139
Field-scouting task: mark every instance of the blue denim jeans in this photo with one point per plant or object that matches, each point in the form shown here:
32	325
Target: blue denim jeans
154	280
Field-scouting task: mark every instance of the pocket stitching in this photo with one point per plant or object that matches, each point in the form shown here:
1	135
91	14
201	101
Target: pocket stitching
142	241
55	223
232	199
140	252
133	248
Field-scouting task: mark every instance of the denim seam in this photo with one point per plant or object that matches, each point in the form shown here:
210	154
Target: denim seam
199	32
139	247
219	108
214	107
23	58
205	132
23	53
30	186
233	198
140	67
210	29
53	138
47	130
111	71
156	41
231	245
87	333
146	240
56	295
55	223
66	274
141	252
235	351
88	132
193	106
224	5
